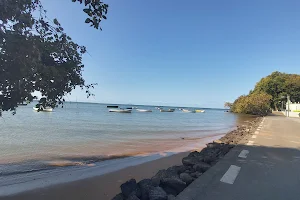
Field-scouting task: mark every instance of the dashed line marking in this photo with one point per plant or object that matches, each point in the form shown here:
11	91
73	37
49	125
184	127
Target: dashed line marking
250	142
243	154
254	136
231	174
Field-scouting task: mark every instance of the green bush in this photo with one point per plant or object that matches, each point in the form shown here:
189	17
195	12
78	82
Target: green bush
255	104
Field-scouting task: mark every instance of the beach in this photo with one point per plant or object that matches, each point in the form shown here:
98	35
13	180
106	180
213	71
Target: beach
106	186
103	187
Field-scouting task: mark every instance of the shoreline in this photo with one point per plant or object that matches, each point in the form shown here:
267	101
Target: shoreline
26	183
103	186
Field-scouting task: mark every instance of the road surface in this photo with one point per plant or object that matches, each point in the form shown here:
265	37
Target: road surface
266	167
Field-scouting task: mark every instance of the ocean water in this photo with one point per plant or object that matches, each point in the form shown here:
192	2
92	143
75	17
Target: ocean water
85	133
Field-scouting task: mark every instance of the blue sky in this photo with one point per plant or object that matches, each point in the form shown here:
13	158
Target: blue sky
184	53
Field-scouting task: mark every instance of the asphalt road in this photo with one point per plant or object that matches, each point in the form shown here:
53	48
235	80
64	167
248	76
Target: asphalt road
267	168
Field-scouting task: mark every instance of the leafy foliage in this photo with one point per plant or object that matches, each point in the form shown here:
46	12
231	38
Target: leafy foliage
268	94
96	11
227	105
37	55
255	104
279	85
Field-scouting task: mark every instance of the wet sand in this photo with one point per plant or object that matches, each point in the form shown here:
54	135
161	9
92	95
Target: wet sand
102	187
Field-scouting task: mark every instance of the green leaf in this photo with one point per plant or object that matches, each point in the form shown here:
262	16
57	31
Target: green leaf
88	20
87	10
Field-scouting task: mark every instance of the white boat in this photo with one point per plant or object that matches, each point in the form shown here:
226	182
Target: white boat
169	110
47	109
120	110
143	110
188	111
200	111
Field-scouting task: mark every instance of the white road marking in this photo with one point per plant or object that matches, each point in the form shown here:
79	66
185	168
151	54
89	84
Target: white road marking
253	136
250	142
231	174
243	154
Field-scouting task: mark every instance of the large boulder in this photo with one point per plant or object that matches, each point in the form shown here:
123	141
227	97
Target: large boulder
130	187
196	174
175	184
118	197
201	167
194	154
171	197
185	177
132	197
157	193
169	173
191	160
145	186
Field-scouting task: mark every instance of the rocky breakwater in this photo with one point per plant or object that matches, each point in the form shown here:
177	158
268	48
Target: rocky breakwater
168	183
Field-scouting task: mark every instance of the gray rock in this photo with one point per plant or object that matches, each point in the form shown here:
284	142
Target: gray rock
201	167
173	183
157	193
190	161
194	154
145	186
130	187
171	197
196	174
170	173
118	197
132	197
177	169
186	178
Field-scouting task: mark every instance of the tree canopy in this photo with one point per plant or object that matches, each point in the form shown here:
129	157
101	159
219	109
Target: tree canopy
37	55
268	94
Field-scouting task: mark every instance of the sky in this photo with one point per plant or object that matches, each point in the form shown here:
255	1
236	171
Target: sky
182	53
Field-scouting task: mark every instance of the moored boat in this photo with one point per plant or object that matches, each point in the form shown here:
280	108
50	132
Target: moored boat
188	111
169	110
120	110
200	111
112	106
143	110
42	109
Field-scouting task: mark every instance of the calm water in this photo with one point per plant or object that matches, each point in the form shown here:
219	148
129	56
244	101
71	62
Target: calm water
83	133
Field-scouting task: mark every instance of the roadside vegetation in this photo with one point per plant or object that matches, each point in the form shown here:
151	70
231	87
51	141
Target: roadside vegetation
269	93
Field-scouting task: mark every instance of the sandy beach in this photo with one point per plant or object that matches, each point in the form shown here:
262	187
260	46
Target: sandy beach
102	187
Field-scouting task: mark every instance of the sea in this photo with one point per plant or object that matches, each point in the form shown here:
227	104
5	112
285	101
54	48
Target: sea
84	134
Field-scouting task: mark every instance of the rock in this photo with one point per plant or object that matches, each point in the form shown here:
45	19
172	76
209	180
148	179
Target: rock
130	187
175	184
171	197
157	193
201	167
247	130
190	161
132	197
145	186
196	174
186	178
194	154
170	173
118	197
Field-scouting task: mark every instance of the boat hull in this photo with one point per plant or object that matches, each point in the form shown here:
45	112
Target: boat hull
120	111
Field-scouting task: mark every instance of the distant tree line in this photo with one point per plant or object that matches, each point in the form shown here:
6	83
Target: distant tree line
268	94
